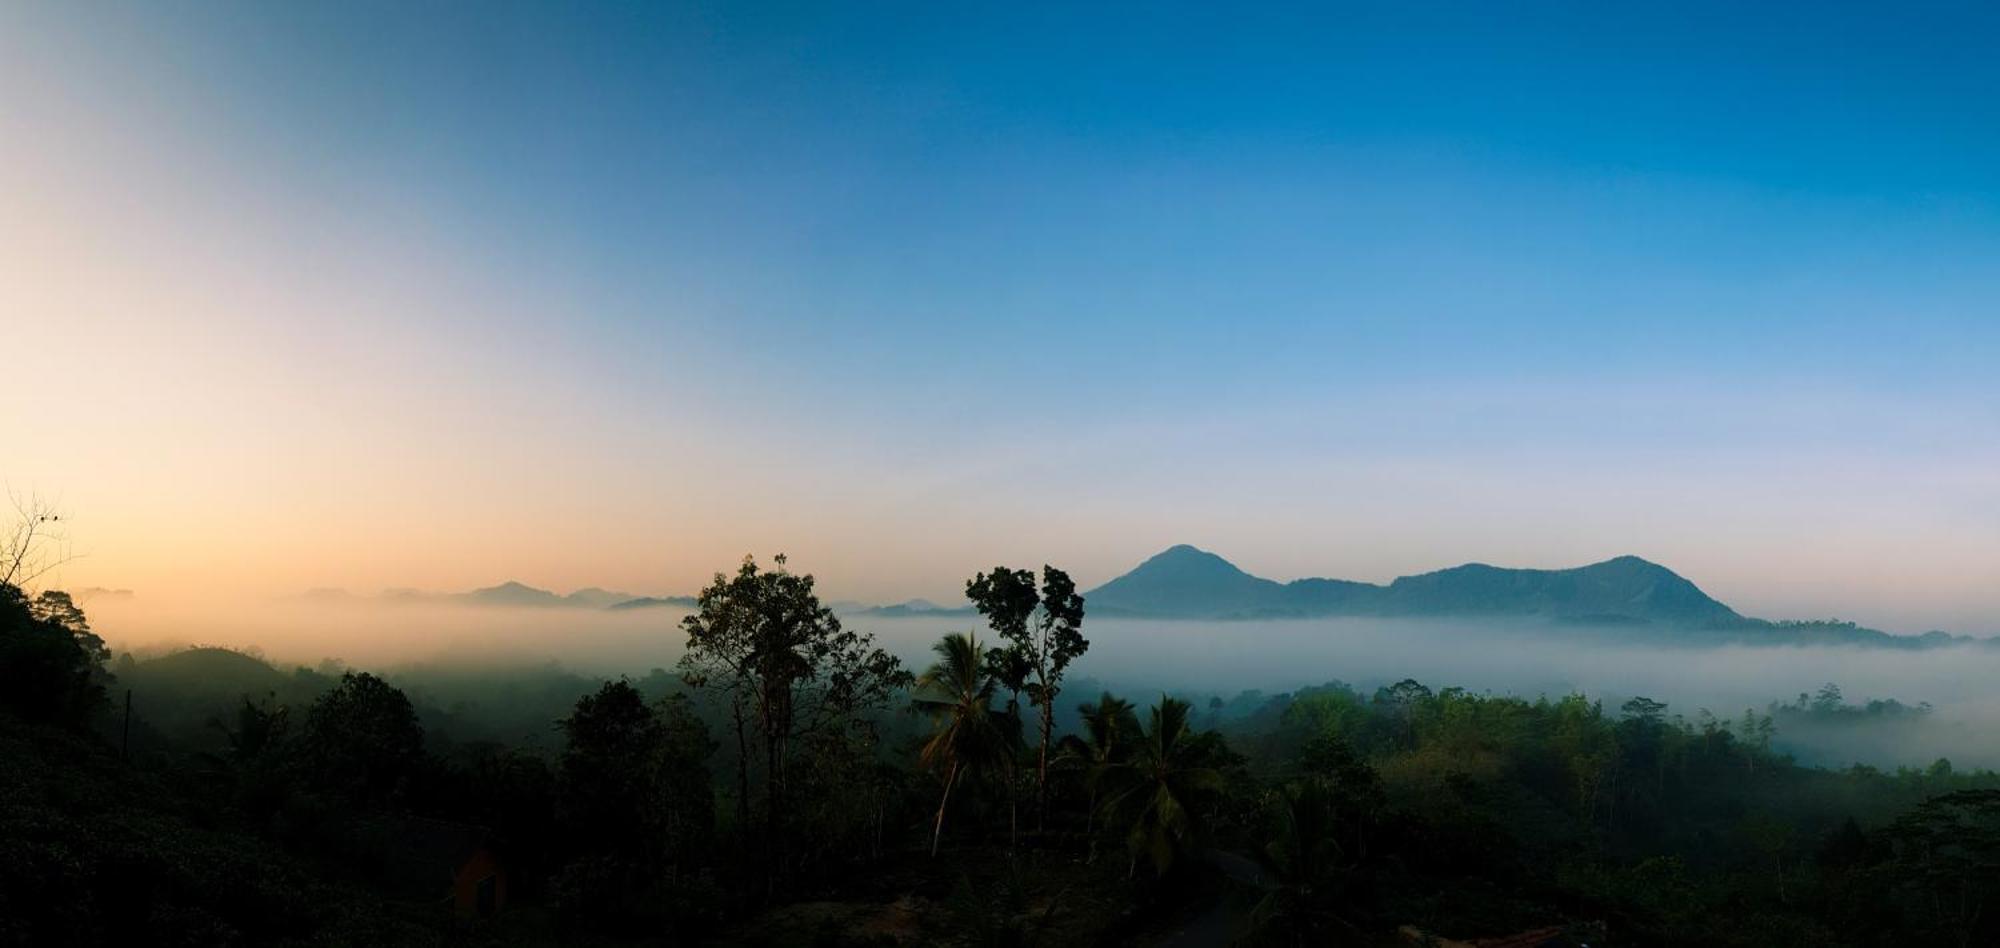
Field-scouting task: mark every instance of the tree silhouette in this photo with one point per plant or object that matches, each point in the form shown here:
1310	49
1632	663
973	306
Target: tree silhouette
260	729
362	739
1007	598
1307	870
51	664
1947	866
634	777
1044	634
1162	787
1406	698
968	737
1110	727
788	666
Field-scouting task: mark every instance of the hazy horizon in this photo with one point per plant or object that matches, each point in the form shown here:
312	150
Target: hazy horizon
1140	656
189	612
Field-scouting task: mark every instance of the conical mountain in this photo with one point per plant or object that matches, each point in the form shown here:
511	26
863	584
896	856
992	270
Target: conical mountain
1184	581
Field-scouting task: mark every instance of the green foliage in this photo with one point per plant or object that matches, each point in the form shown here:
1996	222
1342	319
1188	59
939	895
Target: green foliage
634	781
1110	730
1311	864
792	676
969	738
191	699
1110	727
1043	632
1007	598
1059	635
1162	792
1337	814
1946	869
94	853
51	663
259	733
362	740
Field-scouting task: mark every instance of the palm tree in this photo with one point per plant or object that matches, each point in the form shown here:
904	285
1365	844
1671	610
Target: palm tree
1305	870
1162	785
1109	728
1010	668
968	735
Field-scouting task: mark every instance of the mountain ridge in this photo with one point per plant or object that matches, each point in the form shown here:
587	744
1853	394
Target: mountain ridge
1184	581
510	594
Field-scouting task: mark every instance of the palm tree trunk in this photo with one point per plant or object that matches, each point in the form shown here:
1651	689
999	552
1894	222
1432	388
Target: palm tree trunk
937	828
1013	820
1090	828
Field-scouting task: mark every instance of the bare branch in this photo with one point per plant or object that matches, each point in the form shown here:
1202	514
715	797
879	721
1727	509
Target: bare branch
35	545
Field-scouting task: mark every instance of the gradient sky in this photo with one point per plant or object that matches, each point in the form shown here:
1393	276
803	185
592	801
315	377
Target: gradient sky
365	295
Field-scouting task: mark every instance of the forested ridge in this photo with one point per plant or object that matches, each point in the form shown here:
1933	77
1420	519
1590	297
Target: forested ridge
790	782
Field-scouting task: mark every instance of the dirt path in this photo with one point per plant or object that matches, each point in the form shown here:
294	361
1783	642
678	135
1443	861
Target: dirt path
1219	926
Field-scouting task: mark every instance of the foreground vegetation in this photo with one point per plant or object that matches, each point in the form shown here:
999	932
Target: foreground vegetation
791	783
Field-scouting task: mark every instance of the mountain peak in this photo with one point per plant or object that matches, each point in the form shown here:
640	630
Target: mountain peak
1183	556
597	597
1630	561
512	593
1181	580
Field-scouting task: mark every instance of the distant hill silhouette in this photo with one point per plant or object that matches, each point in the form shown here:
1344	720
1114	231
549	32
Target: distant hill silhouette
180	694
511	593
225	671
594	598
1185	582
916	607
100	593
654	602
1625	587
515	594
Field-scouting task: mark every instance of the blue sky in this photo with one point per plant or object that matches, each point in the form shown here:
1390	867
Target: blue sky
1361	291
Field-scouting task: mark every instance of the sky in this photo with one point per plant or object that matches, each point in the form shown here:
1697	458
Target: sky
374	295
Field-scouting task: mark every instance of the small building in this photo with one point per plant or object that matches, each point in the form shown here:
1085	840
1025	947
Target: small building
450	864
